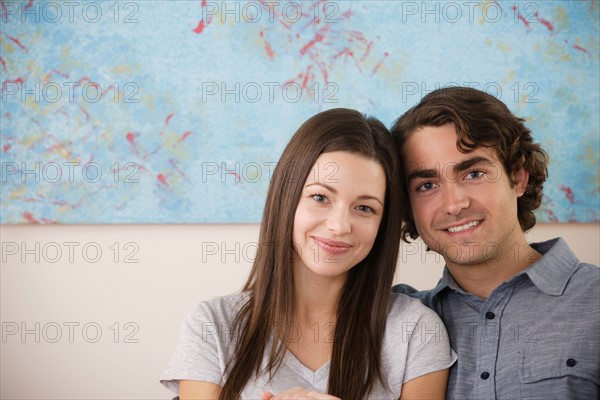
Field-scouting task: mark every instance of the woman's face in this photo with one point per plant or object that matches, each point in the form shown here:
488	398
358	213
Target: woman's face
338	215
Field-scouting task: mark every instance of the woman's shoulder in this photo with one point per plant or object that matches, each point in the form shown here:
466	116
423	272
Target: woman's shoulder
404	308
415	341
219	309
233	300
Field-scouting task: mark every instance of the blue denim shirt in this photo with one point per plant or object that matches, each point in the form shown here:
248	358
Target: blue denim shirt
537	336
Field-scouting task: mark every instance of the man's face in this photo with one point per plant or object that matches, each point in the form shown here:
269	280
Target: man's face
464	205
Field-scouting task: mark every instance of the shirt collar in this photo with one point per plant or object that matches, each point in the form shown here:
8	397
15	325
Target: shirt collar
550	273
447	281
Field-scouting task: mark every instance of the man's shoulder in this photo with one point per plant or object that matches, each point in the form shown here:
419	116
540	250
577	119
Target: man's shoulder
557	251
587	270
560	270
585	280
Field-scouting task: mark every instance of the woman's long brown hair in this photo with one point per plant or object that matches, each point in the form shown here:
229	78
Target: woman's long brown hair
261	323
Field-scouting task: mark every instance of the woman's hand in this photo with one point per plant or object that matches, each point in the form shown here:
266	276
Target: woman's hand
298	393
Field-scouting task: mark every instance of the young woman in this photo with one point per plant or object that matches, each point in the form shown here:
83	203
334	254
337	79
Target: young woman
315	319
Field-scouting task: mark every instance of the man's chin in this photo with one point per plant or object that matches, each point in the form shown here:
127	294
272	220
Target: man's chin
467	253
465	261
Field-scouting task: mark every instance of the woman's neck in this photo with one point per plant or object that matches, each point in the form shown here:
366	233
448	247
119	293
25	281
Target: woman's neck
316	298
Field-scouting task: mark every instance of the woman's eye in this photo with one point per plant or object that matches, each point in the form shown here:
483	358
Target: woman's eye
319	197
366	209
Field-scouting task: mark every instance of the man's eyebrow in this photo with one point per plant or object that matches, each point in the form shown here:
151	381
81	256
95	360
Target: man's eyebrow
422	173
466	164
458	167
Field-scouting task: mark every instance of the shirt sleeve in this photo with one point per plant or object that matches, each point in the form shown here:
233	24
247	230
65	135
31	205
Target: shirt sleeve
199	353
428	345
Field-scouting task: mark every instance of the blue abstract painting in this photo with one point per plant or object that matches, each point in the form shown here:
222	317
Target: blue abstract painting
177	111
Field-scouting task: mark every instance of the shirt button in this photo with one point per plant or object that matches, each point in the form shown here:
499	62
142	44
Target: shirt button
485	375
490	315
571	362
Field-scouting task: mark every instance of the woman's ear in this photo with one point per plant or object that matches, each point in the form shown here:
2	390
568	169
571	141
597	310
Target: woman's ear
520	180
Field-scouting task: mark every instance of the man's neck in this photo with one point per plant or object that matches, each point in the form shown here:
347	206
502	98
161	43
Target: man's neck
482	279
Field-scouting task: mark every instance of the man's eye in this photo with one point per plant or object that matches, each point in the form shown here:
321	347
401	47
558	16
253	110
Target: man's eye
473	175
425	186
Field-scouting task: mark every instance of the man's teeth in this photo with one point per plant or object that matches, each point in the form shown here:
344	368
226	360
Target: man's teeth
463	227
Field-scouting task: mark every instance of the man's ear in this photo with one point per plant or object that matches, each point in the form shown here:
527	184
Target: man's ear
520	180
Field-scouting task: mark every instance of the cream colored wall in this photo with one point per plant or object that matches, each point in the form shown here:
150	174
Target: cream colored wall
137	306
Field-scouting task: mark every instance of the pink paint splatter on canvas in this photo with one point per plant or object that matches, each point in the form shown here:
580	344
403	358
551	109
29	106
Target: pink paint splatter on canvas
385	55
64	204
166	123
568	193
131	139
175	166
16	41
577	47
544	22
30	218
238	178
18	80
551	216
318	38
89	81
268	47
53	72
201	24
163	180
367	51
521	17
319	42
182	138
86	113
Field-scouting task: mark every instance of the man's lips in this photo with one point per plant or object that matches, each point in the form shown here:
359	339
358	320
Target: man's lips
457	228
332	246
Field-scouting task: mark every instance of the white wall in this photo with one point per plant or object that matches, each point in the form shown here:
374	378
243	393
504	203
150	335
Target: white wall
147	299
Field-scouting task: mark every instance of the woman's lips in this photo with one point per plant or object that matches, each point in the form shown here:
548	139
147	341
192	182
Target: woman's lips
332	246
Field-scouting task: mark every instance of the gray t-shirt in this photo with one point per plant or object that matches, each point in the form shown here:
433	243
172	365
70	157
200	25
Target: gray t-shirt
415	343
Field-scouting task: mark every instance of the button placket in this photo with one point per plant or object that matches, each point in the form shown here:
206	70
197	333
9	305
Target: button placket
489	339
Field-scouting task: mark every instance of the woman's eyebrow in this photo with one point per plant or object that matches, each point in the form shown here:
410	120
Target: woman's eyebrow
332	190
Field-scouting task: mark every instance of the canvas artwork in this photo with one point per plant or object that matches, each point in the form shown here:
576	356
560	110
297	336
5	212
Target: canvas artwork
177	111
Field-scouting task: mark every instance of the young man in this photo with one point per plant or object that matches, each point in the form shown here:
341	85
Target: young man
523	318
